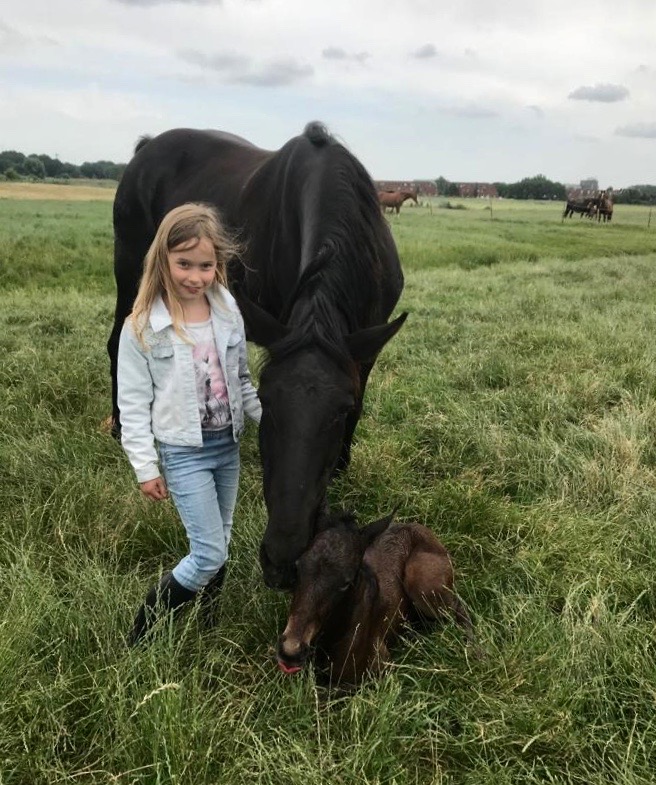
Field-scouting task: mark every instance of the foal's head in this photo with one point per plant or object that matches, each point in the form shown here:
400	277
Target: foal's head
326	572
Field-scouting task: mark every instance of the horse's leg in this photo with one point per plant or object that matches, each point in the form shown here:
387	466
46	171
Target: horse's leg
428	582
128	261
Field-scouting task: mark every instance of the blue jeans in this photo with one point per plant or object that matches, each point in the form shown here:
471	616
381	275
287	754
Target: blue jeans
203	484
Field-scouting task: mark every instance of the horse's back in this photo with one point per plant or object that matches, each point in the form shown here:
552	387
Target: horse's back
405	536
413	570
388	554
183	165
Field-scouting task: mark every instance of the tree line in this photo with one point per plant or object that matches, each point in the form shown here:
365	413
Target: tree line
539	187
18	166
636	194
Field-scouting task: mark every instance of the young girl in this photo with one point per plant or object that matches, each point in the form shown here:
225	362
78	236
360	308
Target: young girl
183	389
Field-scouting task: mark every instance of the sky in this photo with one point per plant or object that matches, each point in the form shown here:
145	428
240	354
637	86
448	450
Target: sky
469	90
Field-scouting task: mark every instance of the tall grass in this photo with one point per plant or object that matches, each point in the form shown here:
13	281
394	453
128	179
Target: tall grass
515	414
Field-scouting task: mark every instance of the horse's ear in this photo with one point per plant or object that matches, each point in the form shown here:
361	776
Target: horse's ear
375	529
365	344
261	328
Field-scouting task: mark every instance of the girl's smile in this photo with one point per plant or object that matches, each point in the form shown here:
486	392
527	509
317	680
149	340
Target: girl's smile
193	270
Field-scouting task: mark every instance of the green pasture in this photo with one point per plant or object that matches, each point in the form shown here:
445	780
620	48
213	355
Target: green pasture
515	414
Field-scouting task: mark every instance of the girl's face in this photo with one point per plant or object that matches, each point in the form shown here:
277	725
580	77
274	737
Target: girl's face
193	270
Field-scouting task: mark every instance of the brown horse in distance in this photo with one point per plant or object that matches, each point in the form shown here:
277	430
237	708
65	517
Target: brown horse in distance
394	199
599	207
605	207
357	588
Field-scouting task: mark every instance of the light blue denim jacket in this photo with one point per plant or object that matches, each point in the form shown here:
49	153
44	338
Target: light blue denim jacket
157	386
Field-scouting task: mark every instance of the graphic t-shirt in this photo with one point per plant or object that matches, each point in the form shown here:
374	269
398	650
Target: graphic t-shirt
211	388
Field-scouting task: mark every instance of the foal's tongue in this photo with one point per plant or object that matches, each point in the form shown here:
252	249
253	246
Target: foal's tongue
288	669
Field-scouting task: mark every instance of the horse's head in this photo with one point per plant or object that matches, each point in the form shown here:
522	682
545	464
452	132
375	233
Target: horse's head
327	570
307	394
306	398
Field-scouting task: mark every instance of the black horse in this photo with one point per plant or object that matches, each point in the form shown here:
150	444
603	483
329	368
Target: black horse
318	279
585	207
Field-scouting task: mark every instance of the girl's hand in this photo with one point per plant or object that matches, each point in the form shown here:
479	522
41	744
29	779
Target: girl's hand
154	489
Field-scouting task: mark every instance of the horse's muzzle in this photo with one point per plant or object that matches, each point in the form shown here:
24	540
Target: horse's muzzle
277	576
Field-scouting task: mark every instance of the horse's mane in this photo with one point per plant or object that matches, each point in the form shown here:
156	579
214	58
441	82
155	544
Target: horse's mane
141	142
335	288
318	134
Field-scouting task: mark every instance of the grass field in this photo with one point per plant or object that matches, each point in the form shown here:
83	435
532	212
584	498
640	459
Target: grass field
64	191
515	414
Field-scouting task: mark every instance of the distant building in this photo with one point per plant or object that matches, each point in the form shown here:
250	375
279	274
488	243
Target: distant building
590	185
586	189
477	190
425	187
420	187
429	188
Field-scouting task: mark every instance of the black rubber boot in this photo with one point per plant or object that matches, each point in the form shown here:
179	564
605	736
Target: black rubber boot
162	598
209	598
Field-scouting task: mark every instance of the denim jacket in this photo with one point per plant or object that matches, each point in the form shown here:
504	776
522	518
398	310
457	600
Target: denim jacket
157	387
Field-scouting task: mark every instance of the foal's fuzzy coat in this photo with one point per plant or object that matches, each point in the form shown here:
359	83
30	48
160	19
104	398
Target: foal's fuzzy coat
357	587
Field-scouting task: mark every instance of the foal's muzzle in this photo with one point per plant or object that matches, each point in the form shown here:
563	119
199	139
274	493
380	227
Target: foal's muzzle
291	663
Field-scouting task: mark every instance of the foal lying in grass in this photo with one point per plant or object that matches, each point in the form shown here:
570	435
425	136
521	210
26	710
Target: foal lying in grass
357	587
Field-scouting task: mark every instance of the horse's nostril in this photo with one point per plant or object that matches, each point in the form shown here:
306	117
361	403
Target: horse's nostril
275	577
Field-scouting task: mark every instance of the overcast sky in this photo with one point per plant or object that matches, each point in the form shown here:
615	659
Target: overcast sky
471	90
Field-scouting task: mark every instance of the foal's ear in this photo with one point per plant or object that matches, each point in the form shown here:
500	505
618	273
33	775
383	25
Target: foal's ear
365	344
261	328
328	519
375	529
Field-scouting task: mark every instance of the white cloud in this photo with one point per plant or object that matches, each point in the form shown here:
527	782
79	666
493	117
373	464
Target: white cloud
425	51
605	93
638	130
410	87
148	3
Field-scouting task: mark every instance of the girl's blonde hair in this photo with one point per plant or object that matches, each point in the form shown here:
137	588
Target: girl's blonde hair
181	226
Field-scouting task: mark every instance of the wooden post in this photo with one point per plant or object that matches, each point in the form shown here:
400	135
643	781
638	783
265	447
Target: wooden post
649	219
491	216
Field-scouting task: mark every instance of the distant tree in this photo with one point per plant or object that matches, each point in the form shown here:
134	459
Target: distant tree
33	167
11	174
54	167
102	170
636	194
43	165
11	159
442	185
538	187
70	170
503	189
88	169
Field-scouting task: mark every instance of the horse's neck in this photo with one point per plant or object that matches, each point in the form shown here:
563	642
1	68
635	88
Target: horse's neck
316	308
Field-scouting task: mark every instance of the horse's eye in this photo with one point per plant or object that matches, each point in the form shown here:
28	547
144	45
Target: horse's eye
345	587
